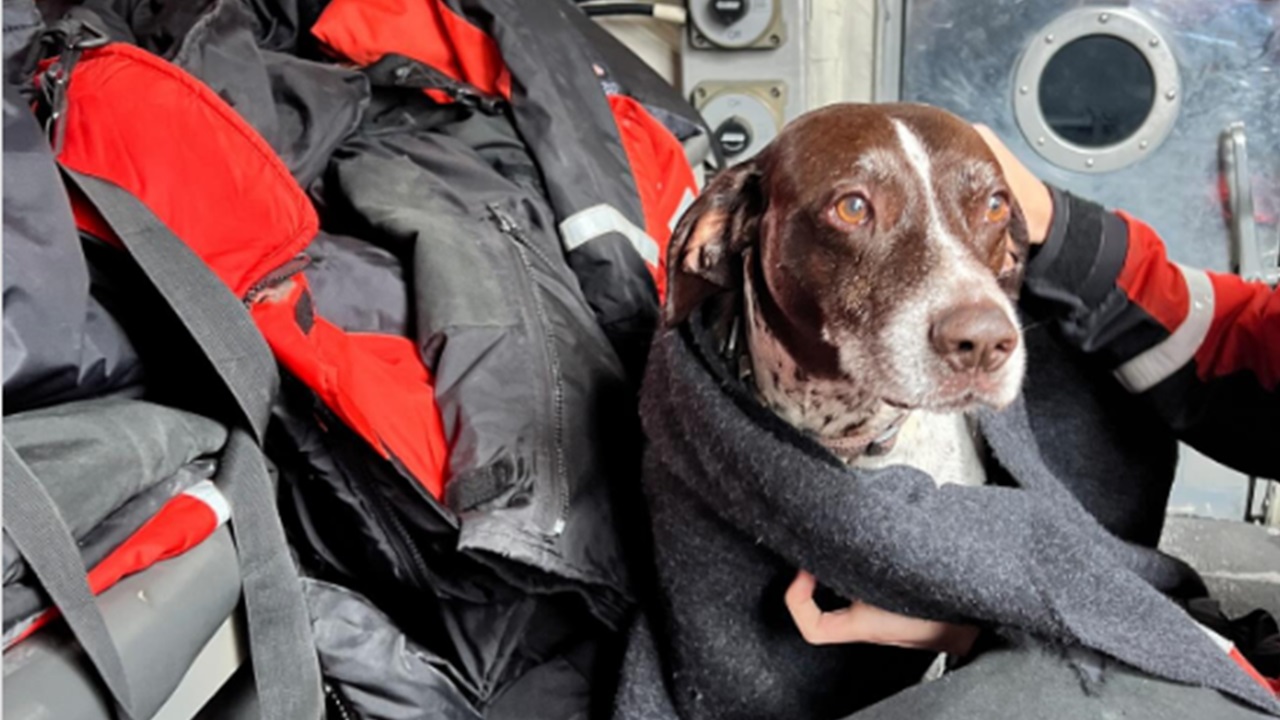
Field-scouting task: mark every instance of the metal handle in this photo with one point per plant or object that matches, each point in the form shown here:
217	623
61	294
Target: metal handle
1248	257
1248	252
1267	506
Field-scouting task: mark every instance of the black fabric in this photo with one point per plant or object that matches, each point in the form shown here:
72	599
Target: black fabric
1077	225
1255	634
359	286
1230	418
739	500
1010	680
301	107
124	446
358	522
23	24
395	70
509	576
381	673
1071	283
1108	428
442	226
283	25
561	112
636	79
572	684
384	674
516	580
1030	679
1072	287
60	344
526	382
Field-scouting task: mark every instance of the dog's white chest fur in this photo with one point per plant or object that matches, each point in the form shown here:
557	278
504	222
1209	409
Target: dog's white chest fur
943	445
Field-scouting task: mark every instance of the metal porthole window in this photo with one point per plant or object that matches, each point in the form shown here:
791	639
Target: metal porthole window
1096	89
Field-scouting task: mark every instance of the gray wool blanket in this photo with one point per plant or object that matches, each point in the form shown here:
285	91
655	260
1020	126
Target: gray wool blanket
738	500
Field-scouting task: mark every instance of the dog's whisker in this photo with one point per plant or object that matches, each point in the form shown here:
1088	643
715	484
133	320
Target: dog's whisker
1032	326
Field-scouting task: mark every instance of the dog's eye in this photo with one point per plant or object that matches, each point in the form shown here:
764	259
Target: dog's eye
997	208
853	209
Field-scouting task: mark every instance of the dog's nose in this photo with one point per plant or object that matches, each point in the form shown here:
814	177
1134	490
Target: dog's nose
974	336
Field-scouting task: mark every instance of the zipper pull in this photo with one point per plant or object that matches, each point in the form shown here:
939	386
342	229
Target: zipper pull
502	220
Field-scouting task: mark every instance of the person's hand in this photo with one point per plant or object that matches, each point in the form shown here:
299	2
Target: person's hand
863	623
1028	190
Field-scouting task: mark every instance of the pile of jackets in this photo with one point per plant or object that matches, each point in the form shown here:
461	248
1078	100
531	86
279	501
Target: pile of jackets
448	221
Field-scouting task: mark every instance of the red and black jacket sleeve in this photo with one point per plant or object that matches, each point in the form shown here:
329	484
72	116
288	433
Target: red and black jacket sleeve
1202	348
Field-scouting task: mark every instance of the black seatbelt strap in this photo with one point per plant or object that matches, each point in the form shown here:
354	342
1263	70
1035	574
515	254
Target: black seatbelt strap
35	526
285	665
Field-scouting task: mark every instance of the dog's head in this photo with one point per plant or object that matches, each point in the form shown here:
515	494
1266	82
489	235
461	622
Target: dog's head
878	250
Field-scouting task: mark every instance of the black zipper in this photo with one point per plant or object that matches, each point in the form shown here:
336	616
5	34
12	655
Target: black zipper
523	247
276	277
402	544
408	548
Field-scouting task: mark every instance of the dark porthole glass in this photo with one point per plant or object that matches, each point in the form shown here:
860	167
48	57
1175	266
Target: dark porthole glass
1096	91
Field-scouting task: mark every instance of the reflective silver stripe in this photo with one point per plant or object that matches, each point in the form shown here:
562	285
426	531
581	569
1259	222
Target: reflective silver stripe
586	225
1159	362
685	201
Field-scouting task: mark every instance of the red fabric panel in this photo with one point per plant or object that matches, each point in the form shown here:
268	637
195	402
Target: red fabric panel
1245	334
183	523
377	384
207	175
363	31
1149	279
1251	671
166	138
662	173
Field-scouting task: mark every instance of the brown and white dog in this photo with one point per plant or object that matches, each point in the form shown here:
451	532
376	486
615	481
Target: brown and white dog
876	251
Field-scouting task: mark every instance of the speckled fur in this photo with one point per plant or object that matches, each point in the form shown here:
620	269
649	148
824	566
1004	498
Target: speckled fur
834	409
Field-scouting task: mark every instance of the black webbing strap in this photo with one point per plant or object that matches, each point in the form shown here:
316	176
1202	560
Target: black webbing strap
285	665
35	526
216	320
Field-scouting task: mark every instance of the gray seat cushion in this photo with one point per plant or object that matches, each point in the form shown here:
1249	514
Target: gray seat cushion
160	618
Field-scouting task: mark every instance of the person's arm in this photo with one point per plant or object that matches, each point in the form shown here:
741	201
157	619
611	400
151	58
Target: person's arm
865	623
1202	348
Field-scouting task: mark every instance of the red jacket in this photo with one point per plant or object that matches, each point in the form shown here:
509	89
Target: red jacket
1202	347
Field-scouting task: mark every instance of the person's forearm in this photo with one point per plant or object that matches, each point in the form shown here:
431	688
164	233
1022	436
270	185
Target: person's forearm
1203	348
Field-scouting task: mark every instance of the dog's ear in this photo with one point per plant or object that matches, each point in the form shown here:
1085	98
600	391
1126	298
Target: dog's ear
1017	245
709	239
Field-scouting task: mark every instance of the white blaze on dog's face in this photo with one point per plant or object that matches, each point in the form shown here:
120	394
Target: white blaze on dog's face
958	278
880	250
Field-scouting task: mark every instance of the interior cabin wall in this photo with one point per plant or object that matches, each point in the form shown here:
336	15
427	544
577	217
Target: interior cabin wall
966	58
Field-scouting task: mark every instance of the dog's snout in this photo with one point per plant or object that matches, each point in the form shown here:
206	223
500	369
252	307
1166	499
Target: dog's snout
974	336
